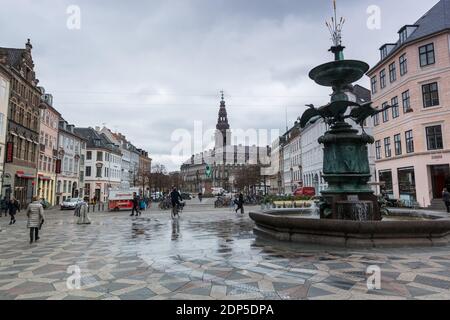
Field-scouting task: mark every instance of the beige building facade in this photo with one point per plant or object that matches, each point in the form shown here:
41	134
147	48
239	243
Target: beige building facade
412	145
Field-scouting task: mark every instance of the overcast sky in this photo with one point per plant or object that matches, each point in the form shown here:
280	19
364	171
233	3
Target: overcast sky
147	68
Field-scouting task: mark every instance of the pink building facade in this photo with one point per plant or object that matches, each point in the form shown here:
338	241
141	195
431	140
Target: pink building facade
412	145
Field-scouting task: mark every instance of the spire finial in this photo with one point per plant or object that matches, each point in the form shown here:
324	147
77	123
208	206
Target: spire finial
221	92
335	27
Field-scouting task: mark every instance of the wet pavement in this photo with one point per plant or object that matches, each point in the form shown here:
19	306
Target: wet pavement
208	254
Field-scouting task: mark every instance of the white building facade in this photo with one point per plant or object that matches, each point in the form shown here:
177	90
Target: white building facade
71	153
103	165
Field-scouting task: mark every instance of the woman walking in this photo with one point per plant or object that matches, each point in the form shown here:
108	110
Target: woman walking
35	214
82	209
13	207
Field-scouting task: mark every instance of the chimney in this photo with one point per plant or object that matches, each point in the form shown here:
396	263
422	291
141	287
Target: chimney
97	128
28	45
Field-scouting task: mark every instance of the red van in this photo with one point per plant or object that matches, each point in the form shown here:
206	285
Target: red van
305	191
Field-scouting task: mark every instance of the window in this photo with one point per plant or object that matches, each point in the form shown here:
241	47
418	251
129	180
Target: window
383	79
398	144
407	183
99	156
88	171
387	147
385	112
384	52
395	111
2	89
434	138
403	35
392	72
406	102
385	177
88	155
99	172
426	54
430	95
403	65
373	84
378	149
409	141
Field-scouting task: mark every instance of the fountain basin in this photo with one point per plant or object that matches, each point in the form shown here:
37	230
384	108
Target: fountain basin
433	231
337	73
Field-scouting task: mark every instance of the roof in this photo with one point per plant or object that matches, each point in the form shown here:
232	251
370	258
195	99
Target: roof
362	94
13	56
96	140
436	20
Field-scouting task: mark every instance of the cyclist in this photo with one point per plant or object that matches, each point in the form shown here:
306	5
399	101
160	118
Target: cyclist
175	197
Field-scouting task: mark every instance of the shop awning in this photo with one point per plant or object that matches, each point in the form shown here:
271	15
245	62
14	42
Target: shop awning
42	177
24	175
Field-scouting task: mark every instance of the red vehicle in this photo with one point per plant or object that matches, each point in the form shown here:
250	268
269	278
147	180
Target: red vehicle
121	200
305	191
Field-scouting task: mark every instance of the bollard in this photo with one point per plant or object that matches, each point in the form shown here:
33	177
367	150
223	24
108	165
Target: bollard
93	208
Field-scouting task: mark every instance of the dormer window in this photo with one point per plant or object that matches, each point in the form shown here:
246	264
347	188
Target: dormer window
403	35
406	32
386	49
383	52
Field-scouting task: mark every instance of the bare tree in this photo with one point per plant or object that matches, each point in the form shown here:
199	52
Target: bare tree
248	177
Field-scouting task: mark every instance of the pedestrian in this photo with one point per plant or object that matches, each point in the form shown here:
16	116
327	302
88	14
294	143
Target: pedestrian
82	215
4	207
135	205
240	203
446	199
35	214
200	196
13	207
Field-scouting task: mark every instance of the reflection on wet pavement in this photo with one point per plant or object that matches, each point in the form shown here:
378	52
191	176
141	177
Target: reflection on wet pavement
206	254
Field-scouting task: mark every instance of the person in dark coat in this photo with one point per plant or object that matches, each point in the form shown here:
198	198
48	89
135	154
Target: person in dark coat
4	207
446	199
240	203
135	206
13	207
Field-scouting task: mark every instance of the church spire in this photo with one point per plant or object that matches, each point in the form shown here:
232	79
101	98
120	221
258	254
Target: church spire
222	122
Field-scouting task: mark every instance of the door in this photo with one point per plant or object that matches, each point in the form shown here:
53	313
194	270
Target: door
440	177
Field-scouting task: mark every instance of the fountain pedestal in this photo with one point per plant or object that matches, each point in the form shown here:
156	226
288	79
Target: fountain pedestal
347	172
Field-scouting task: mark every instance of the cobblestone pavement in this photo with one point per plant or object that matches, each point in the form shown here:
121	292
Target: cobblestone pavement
208	254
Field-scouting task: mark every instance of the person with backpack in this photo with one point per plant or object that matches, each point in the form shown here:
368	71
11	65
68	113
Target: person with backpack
13	207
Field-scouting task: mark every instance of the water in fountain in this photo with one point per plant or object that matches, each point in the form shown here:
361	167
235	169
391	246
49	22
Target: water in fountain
315	210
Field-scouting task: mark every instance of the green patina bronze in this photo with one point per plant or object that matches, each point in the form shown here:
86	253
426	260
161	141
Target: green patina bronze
346	165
